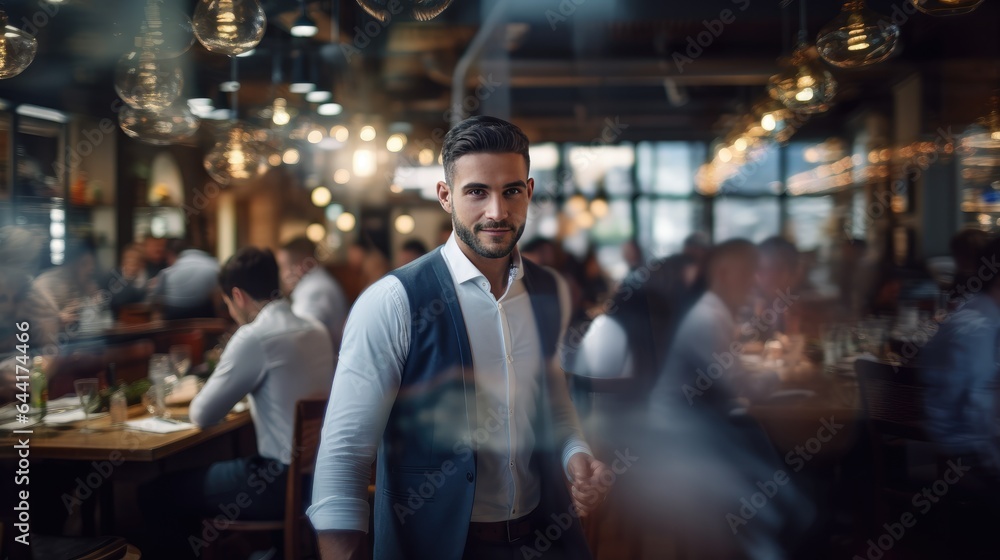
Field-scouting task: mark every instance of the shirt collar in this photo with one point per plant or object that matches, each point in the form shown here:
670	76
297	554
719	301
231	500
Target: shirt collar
462	269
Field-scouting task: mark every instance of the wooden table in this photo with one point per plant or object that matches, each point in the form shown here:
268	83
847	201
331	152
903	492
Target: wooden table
66	442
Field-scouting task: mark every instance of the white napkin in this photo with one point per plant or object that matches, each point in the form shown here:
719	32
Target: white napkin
69	416
158	425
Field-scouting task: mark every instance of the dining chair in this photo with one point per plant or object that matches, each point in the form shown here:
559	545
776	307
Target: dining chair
305	445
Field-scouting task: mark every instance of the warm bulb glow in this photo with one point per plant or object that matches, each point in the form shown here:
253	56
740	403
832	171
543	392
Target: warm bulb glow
725	155
599	208
341	176
367	133
237	156
328	109
405	224
394	188
17	49
425	156
315	136
804	94
768	122
576	204
229	27
584	220
395	142
318	96
146	83
279	112
274	160
346	222
740	144
364	163
321	196
290	157
340	133
995	135
315	232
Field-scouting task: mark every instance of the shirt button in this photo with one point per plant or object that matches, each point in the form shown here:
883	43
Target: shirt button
512	465
510	359
510	411
468	476
500	306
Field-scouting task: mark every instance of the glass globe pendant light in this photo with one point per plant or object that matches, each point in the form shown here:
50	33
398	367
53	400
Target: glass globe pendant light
145	82
236	157
421	10
169	31
17	49
857	37
229	27
946	7
169	126
805	85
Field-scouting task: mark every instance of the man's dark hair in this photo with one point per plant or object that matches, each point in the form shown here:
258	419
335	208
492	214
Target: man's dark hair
781	249
967	245
731	249
252	270
77	248
415	246
300	248
482	135
176	246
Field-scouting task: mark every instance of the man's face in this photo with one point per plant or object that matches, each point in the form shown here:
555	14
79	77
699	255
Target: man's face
288	271
773	275
488	202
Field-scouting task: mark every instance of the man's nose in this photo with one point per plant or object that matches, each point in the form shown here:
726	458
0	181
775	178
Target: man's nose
496	208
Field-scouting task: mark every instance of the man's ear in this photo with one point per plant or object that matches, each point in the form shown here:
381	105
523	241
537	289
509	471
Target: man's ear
238	298
444	196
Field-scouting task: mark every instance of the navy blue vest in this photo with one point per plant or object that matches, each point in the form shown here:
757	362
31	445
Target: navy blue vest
426	468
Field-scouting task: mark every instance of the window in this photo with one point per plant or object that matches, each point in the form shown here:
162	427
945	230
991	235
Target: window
755	219
663	225
809	221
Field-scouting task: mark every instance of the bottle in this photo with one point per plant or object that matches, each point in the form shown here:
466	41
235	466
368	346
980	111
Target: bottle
119	406
39	388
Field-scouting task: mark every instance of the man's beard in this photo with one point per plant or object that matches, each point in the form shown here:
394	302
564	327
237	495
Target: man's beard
472	240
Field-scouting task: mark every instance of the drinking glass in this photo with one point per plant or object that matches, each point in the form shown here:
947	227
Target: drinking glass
180	358
87	390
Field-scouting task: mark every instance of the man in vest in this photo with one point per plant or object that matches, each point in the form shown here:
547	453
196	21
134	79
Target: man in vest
447	370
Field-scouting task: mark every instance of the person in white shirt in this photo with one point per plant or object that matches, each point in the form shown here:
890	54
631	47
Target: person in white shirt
274	359
447	369
314	293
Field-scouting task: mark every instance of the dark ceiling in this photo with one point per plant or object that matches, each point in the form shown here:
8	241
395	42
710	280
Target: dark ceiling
563	66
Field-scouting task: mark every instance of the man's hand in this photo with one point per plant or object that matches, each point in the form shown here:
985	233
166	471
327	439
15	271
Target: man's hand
343	545
589	482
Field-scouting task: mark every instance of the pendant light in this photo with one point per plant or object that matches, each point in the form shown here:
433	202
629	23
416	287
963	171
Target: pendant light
805	85
421	10
229	27
17	49
169	31
857	37
946	7
169	126
145	82
303	26
237	156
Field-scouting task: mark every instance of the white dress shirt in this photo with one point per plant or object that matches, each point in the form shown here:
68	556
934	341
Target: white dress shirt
277	359
506	354
319	296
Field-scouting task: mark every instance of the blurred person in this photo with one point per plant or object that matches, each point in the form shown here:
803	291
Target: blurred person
706	457
274	359
19	305
697	246
966	248
127	282
778	276
541	251
412	250
186	288
366	260
154	251
632	254
447	371
64	292
313	292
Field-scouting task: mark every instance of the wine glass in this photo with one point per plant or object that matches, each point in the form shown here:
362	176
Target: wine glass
87	390
180	358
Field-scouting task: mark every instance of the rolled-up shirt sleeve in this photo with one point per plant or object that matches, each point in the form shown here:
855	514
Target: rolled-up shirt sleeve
373	352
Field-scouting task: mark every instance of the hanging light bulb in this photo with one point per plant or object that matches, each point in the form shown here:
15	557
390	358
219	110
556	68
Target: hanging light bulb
229	27
235	157
857	37
422	10
17	49
146	83
804	85
303	26
169	31
946	7
168	126
992	120
279	112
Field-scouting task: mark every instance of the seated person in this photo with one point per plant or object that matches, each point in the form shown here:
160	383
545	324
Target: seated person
64	292
275	359
959	366
314	293
127	283
186	287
